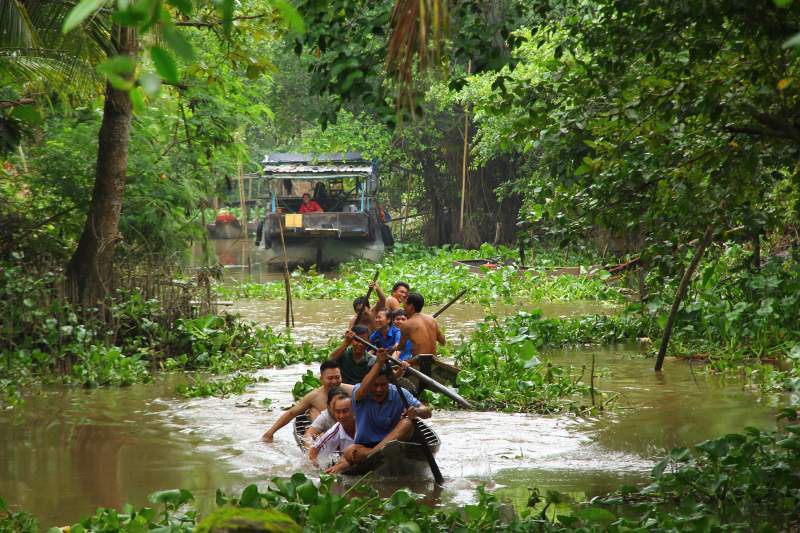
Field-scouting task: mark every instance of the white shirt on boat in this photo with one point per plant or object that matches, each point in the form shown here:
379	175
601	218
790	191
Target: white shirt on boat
334	441
323	422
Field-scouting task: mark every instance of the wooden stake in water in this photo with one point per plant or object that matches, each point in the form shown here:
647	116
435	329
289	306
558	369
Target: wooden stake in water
286	283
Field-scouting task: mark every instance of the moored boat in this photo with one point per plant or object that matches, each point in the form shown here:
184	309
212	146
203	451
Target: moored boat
395	459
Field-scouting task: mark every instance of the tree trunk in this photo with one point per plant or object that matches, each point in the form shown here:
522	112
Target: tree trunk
756	252
682	287
90	269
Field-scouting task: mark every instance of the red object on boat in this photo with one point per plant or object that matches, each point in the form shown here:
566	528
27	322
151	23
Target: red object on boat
490	266
225	218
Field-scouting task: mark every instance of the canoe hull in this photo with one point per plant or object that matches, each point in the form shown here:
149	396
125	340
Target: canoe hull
396	459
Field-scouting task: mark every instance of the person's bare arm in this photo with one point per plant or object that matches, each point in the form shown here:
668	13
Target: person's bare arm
288	415
337	353
421	411
341	466
439	335
311	434
366	383
381	303
313	453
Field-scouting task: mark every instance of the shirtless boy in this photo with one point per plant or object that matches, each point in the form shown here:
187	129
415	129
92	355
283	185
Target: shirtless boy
367	318
422	330
315	401
399	294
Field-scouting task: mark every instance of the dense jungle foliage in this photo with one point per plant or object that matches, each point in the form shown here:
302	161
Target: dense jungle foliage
659	135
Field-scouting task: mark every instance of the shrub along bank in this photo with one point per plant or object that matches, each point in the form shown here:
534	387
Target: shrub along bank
55	342
740	482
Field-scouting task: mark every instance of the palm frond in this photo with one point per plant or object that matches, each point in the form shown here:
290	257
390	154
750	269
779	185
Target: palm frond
419	28
47	70
16	28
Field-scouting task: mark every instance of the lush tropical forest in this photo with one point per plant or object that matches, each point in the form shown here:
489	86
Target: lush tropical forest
606	192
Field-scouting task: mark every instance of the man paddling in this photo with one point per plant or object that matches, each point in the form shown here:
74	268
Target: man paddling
422	330
314	402
400	291
380	413
363	312
353	358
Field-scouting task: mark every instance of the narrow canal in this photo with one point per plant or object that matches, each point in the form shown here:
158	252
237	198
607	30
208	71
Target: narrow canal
70	450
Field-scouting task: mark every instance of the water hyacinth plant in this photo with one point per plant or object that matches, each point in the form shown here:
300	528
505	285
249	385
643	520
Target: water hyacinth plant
431	272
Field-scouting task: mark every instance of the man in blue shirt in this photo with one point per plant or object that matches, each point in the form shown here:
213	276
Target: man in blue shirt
381	416
387	335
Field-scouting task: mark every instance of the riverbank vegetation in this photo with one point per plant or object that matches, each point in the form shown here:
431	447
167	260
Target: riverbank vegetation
432	273
734	483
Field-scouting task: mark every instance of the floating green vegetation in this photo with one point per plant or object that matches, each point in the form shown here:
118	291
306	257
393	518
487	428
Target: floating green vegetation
431	272
739	482
220	388
502	367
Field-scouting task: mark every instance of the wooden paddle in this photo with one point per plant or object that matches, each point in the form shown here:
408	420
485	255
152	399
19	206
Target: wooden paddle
448	304
418	434
431	383
369	293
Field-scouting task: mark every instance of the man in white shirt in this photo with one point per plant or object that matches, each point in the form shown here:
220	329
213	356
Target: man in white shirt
334	441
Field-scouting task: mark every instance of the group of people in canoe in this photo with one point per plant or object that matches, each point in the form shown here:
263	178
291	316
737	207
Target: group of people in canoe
357	409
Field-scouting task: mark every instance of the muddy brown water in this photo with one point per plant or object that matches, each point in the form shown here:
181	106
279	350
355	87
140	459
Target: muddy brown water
69	451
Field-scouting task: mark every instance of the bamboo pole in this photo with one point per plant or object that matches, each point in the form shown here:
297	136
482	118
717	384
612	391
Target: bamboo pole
464	157
242	200
286	282
682	287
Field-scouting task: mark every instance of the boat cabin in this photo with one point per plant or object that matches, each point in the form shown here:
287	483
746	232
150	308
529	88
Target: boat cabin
344	185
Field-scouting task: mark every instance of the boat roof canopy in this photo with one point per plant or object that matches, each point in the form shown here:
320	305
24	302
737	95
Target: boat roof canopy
317	166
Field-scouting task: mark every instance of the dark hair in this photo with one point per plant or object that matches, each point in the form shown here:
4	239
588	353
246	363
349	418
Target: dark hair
416	300
360	329
361	300
336	392
400	284
398	312
385	311
327	365
305	194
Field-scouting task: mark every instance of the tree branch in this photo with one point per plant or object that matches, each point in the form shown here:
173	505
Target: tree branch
14	103
216	22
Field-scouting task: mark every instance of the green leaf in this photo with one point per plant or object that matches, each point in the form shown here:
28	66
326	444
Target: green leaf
165	64
178	43
81	12
596	515
792	42
27	113
184	6
173	496
250	497
117	71
308	492
137	100
290	15
783	3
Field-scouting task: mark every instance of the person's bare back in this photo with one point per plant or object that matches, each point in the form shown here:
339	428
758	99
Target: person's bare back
423	332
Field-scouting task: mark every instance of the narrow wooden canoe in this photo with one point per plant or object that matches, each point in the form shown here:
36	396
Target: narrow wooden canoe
441	371
395	459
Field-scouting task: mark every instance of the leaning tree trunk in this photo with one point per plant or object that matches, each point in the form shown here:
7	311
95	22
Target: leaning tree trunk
89	272
682	287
